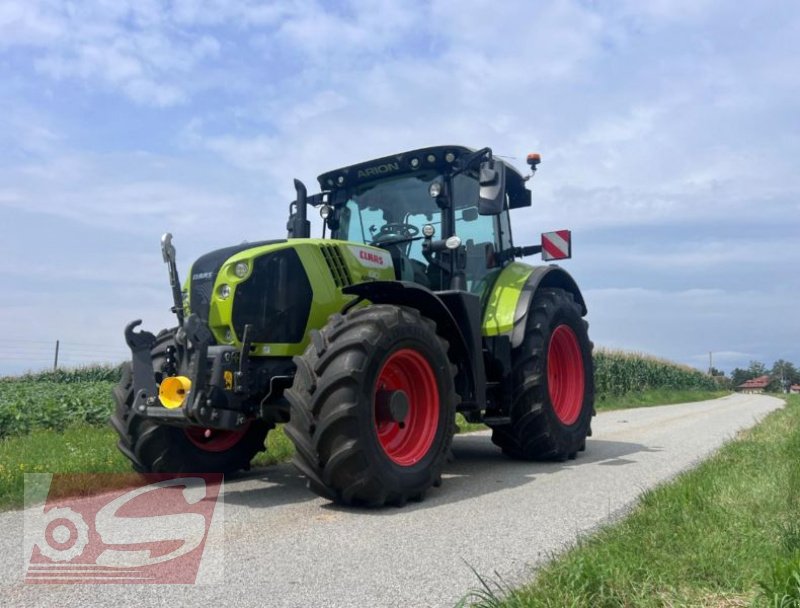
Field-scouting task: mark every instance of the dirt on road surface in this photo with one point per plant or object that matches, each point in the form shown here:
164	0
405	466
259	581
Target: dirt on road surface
285	547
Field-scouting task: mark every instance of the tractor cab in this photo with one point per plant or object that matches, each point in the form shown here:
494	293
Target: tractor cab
441	212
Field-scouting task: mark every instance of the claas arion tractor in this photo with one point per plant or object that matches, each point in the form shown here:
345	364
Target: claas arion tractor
366	344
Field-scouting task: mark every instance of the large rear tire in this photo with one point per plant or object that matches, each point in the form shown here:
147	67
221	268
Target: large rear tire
159	448
553	383
373	407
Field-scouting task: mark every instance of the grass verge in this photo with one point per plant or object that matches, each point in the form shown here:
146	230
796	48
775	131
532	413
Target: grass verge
655	397
85	450
75	450
615	402
724	534
88	449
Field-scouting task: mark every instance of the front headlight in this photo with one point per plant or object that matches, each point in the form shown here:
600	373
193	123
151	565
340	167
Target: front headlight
224	292
241	269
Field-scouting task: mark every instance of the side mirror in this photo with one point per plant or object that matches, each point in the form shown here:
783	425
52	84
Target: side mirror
470	214
492	180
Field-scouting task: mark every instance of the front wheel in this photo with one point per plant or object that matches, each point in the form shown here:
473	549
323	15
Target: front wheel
553	382
373	407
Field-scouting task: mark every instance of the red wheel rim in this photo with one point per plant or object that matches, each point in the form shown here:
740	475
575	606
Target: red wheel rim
407	443
214	440
565	376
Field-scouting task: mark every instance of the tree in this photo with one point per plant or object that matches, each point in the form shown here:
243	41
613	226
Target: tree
739	375
784	374
756	369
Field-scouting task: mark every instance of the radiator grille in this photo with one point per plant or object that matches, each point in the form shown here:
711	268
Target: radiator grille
335	260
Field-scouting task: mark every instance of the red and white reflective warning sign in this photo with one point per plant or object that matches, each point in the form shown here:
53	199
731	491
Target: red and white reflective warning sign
556	245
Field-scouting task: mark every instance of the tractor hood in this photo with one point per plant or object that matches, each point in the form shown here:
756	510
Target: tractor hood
204	272
280	288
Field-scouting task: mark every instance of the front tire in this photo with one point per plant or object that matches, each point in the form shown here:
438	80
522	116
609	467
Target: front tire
373	407
553	383
159	448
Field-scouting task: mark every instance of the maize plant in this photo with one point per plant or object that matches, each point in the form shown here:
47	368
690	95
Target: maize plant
617	373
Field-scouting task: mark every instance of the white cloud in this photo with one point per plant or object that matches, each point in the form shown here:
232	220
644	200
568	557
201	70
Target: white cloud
132	47
669	11
28	23
130	197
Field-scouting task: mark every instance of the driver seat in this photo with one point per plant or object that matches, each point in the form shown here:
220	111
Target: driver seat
403	271
406	269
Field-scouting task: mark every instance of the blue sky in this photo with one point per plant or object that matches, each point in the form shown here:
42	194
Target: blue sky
669	134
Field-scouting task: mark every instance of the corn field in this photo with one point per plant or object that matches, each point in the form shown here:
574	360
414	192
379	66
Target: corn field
56	399
618	373
75	375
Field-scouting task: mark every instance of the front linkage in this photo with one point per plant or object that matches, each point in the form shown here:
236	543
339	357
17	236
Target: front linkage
189	400
187	394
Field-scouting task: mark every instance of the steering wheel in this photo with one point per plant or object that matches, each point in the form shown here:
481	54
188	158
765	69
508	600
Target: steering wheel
397	229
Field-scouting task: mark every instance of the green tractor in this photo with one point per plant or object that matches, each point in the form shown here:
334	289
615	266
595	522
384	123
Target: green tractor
368	342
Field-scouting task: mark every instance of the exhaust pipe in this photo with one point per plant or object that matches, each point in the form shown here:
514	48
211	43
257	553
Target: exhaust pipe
298	226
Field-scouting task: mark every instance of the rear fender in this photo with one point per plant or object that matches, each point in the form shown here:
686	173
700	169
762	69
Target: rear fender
507	306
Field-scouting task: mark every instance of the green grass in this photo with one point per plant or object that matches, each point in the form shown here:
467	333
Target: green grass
279	449
462	426
656	397
91	450
724	534
75	450
638	399
85	450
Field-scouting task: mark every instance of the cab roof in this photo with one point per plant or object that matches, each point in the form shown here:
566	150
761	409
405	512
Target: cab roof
439	158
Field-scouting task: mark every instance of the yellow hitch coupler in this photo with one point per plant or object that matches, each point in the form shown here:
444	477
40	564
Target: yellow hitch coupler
172	392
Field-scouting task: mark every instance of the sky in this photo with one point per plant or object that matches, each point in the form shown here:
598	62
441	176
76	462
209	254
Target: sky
669	133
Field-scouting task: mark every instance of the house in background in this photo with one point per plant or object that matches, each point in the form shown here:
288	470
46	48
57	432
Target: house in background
756	385
795	389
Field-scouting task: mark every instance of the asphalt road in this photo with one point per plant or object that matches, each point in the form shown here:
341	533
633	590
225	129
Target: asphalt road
285	547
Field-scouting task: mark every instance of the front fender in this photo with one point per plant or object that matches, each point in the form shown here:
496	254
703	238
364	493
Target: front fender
430	305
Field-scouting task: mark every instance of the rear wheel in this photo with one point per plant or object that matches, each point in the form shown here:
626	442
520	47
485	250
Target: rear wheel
373	407
158	448
553	383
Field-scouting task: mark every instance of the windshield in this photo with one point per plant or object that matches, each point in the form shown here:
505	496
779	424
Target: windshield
391	213
374	206
393	209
